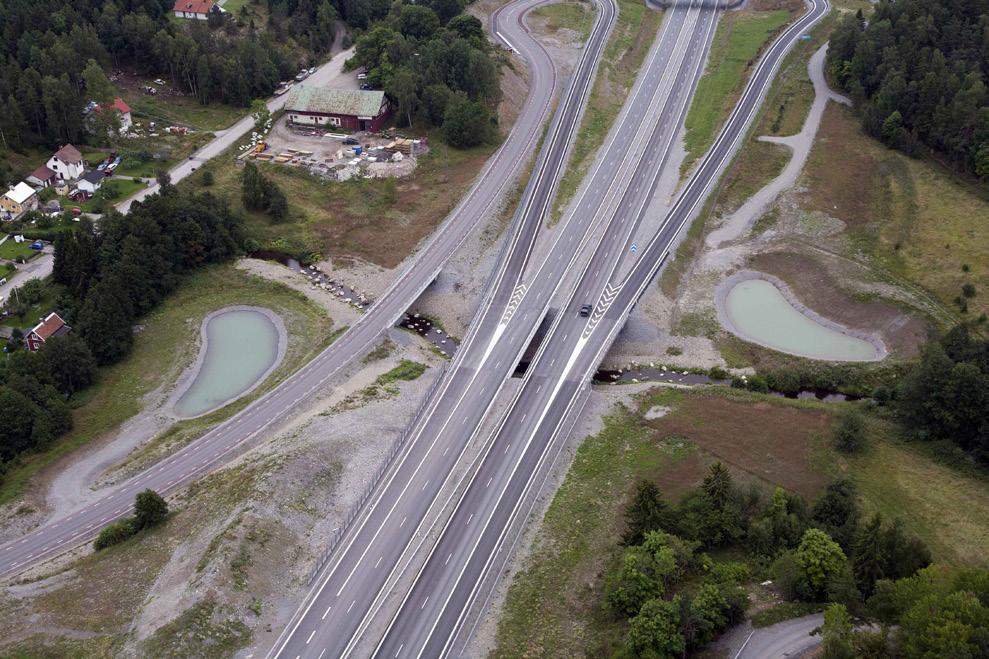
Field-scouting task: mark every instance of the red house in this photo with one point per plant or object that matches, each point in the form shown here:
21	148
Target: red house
353	109
52	325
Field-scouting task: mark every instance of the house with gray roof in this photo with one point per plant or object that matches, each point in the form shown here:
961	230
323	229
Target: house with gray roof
352	109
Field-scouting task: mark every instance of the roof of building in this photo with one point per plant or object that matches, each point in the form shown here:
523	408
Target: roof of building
52	325
193	6
93	176
42	173
120	105
70	154
20	193
357	102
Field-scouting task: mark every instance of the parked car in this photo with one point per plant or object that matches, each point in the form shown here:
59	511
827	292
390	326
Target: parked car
364	85
362	76
350	141
312	70
37	244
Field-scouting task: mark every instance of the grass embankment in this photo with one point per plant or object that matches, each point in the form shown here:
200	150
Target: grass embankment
377	220
739	39
167	344
757	163
576	15
911	219
554	605
89	611
635	30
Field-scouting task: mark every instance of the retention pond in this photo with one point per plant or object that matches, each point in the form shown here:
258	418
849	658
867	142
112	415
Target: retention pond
755	309
241	346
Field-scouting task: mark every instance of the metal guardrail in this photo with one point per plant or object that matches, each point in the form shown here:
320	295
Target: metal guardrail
369	488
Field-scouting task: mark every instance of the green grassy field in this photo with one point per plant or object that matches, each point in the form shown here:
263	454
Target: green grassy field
165	346
185	111
10	250
553	607
635	30
737	43
569	14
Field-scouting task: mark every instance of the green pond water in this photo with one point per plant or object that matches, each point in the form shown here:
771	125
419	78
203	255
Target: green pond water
760	313
242	345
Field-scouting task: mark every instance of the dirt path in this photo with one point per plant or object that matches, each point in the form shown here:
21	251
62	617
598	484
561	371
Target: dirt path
743	219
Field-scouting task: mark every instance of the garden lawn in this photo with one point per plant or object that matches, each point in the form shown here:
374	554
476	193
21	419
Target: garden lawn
10	250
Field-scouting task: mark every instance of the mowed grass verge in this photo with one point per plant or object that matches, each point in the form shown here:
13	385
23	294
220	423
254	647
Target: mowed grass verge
739	39
554	604
167	344
631	38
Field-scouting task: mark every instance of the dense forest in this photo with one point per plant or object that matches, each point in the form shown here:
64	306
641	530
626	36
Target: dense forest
917	71
46	44
106	280
435	63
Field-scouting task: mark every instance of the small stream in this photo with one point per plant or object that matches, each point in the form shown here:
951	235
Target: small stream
671	376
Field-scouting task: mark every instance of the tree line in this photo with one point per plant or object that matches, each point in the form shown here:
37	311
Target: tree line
106	279
46	45
435	62
675	597
944	397
917	71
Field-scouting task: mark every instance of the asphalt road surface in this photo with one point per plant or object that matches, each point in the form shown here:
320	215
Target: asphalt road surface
334	615
432	615
227	439
790	638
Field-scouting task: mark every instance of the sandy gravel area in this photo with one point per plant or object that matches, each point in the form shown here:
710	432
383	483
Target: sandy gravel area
743	219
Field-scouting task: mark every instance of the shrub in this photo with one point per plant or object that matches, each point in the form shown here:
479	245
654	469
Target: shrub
849	433
149	509
115	533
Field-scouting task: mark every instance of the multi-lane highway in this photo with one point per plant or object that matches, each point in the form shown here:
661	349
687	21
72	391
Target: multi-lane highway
335	614
225	441
470	547
433	612
385	539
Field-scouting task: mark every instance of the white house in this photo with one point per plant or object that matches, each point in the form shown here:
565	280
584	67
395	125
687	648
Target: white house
90	182
196	9
66	163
